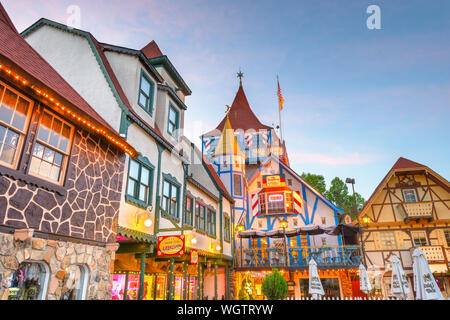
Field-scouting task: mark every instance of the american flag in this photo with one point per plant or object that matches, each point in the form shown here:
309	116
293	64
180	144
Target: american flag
280	96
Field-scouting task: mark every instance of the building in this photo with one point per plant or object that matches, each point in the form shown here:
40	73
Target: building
142	96
409	208
61	171
270	198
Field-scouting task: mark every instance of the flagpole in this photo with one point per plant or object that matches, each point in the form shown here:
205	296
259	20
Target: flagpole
279	114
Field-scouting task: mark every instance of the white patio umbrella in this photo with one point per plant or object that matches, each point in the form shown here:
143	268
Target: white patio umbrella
364	283
424	283
315	285
399	283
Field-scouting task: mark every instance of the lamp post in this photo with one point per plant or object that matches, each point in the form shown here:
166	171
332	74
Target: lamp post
284	224
363	253
240	229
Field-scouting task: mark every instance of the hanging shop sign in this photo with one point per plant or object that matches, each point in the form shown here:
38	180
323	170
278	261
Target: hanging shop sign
170	246
194	256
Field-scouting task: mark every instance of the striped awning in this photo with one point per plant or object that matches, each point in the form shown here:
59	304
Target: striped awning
136	235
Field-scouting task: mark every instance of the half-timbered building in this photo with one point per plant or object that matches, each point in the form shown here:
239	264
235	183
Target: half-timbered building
409	208
61	170
271	197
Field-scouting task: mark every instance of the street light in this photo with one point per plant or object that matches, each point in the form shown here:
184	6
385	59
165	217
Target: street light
352	181
240	229
284	224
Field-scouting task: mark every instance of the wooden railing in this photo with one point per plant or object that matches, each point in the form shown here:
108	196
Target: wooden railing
338	256
418	210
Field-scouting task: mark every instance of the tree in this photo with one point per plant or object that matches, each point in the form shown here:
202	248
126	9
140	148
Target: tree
247	289
315	180
275	286
338	193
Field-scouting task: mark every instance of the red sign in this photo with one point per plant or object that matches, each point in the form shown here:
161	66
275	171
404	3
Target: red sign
169	246
194	256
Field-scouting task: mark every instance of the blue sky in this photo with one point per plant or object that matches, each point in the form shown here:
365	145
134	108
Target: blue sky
355	99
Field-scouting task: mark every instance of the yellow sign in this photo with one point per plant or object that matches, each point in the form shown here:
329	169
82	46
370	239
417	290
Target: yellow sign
273	181
171	246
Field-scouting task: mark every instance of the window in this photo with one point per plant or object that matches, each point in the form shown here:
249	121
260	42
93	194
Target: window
14	118
447	236
29	282
75	283
174	120
211	222
237	185
410	195
51	148
170	198
388	240
188	214
200	216
145	99
227	229
276	202
419	238
324	220
140	180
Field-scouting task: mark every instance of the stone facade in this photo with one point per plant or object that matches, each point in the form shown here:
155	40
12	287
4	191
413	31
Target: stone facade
88	205
58	255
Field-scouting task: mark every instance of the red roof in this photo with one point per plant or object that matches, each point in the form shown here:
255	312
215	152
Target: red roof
151	50
24	57
241	115
406	163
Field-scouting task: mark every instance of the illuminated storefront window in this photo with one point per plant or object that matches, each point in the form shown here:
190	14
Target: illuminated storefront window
120	284
149	285
118	287
75	283
29	282
160	287
192	288
276	202
178	288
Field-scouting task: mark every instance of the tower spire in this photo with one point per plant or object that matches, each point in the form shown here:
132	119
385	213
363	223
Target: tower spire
240	75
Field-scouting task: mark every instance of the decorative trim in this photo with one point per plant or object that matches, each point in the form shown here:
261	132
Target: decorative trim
172	179
165	62
136	235
136	202
151	96
173	95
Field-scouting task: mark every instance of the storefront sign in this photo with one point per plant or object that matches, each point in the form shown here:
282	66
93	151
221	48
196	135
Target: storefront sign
194	256
170	246
273	181
275	197
258	275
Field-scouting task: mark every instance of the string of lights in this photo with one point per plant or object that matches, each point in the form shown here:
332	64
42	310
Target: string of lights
66	110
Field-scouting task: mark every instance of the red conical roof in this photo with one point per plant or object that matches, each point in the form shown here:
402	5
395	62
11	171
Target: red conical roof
406	163
241	115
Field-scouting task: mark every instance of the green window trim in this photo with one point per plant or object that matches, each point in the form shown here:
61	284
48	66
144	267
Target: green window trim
139	184
148	96
167	199
211	222
176	124
200	216
189	221
227	230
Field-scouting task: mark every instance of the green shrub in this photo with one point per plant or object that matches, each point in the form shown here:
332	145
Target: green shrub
275	286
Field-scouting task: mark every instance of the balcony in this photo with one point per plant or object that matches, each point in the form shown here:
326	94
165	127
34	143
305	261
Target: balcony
433	254
416	210
298	257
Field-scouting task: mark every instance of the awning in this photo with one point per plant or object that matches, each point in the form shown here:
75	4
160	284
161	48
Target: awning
293	232
136	235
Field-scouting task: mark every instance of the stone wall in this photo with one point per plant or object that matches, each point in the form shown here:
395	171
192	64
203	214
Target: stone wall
86	206
58	255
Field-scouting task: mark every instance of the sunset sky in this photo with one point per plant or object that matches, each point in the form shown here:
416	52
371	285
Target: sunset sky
355	99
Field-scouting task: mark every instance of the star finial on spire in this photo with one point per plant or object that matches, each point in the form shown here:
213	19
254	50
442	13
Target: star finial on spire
240	75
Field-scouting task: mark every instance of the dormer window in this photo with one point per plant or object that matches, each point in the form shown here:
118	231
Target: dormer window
146	89
174	121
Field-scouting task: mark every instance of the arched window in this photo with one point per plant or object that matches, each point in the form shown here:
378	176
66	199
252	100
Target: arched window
30	281
75	283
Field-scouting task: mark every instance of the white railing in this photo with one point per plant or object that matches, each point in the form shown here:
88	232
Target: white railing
418	209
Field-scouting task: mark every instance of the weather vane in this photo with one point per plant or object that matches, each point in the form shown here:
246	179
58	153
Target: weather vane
240	75
228	109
